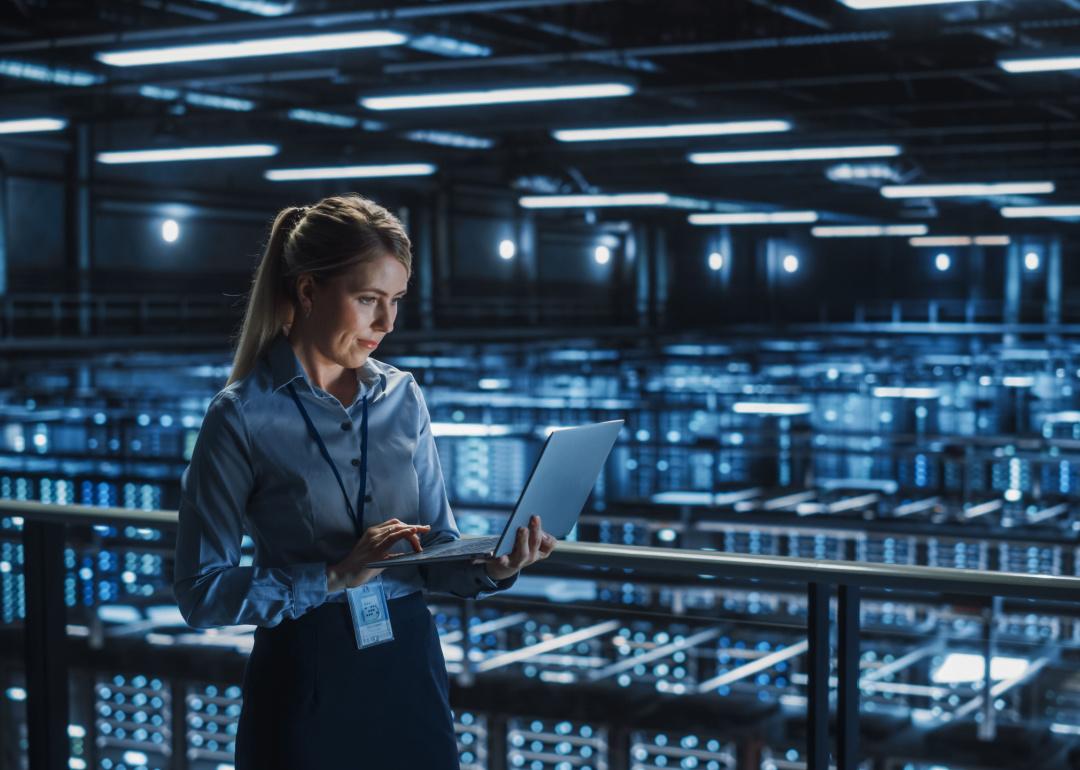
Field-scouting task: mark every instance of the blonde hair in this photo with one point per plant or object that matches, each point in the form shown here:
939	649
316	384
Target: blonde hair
324	240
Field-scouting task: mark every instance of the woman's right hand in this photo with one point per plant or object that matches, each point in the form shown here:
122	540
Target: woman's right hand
373	546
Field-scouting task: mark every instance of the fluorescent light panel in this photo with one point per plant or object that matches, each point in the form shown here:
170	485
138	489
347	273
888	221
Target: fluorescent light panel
449	47
873	5
497	96
212	101
887	391
323	118
1019	65
240	49
972	189
670	131
216	102
938	241
256	7
770	408
451	139
961	668
32	125
12	68
867	231
796	154
1050	212
349	172
189	153
755	218
593	201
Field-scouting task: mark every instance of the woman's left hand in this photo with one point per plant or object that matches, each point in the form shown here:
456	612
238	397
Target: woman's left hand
530	546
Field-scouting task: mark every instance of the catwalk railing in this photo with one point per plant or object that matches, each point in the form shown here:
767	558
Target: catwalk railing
47	668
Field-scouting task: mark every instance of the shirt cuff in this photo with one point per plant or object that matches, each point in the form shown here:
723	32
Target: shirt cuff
308	586
486	583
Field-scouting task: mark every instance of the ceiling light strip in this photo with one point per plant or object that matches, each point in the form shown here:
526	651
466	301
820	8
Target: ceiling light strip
484	97
796	154
239	49
188	153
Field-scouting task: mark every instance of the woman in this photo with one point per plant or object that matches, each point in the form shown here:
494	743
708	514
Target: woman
326	457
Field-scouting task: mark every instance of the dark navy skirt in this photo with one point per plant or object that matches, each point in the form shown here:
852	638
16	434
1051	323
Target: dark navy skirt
313	700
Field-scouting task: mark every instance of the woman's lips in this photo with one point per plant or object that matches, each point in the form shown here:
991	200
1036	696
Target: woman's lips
370	344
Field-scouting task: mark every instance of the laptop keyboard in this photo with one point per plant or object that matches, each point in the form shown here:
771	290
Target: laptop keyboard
470	545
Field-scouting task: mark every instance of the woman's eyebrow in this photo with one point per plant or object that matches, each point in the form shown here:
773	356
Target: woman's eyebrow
378	291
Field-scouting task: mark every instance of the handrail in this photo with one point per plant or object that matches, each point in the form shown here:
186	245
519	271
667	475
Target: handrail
688	562
47	667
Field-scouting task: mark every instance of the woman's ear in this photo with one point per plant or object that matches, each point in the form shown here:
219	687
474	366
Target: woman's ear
305	292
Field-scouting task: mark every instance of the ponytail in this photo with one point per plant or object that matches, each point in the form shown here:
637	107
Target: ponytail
269	306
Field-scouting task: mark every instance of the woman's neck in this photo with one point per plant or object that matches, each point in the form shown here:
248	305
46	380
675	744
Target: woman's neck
322	372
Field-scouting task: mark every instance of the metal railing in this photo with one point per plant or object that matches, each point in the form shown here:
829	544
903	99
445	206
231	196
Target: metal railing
47	667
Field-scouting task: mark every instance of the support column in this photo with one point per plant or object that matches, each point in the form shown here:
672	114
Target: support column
987	728
642	250
45	640
528	264
1053	286
5	217
79	230
1013	281
421	229
847	669
817	672
976	271
441	260
661	278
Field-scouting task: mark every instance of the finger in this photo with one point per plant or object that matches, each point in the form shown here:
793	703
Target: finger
521	545
394	535
520	555
415	540
389	541
535	534
547	545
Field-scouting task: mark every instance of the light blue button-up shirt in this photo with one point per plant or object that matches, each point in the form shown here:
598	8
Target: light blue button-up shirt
255	467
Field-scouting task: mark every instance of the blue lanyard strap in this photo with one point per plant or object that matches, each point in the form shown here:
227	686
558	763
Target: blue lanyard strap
356	513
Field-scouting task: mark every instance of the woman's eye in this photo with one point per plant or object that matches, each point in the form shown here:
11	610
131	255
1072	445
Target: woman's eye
367	300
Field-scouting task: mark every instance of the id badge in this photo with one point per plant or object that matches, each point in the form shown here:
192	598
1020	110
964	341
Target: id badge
370	616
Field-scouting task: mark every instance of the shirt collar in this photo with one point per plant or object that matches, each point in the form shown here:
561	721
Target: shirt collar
285	367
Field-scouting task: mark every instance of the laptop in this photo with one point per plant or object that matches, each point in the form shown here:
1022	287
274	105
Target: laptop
560	482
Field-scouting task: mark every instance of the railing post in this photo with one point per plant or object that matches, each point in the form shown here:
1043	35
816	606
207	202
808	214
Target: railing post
817	673
987	728
847	665
45	635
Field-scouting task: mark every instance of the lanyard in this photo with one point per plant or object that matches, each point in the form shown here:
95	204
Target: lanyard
357	513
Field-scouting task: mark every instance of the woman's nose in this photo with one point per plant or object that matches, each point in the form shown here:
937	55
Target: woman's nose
383	320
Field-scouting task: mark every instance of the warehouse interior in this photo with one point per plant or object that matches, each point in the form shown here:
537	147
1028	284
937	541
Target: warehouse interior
818	255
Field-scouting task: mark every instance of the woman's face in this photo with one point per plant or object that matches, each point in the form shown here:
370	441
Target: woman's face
350	314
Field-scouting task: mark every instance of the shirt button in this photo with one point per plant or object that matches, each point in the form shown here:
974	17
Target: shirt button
347	425
356	462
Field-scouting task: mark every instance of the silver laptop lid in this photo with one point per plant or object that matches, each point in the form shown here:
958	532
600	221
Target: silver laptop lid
561	480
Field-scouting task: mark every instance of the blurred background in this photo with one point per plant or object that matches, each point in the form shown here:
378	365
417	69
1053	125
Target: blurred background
821	256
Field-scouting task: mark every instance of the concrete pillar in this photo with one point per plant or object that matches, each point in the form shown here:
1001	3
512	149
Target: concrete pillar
1053	285
528	263
976	273
661	279
441	258
80	217
420	230
5	217
637	244
1013	281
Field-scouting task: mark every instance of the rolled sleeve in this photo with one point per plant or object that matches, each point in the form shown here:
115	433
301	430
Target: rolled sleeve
460	578
210	586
